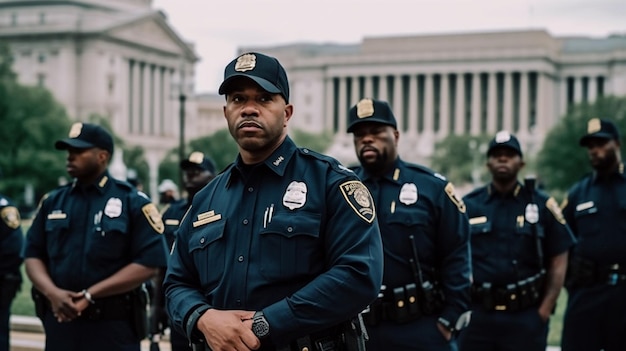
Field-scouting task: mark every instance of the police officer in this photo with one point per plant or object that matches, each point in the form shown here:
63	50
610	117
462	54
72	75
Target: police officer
91	246
282	248
425	235
11	241
595	317
520	245
198	170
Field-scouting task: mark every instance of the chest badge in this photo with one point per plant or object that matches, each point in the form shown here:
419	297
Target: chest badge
295	195
113	207
408	194
532	213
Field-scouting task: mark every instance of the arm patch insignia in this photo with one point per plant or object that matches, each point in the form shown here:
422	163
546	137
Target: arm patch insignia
452	195
359	198
555	209
153	217
11	217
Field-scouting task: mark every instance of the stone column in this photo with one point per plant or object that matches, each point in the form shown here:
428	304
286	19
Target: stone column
592	89
523	104
507	118
157	113
145	99
382	88
369	87
492	103
413	103
343	110
429	118
476	118
459	113
329	104
578	89
354	94
562	85
135	99
444	104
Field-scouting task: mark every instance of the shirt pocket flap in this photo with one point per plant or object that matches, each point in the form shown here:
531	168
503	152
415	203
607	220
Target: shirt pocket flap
292	224
206	235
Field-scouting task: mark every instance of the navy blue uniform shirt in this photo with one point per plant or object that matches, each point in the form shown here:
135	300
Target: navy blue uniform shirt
504	246
294	236
11	238
172	216
596	212
413	200
85	234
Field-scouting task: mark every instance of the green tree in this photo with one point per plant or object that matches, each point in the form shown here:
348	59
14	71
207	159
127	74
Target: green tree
561	161
461	158
314	141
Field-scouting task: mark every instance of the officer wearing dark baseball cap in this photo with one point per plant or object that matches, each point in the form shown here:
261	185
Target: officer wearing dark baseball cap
264	70
600	129
370	110
86	136
198	160
506	140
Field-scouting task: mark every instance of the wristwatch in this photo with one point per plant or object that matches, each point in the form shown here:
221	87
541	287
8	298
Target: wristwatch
260	326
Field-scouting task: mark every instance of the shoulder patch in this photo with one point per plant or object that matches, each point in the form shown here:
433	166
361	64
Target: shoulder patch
11	217
553	206
564	203
359	198
449	189
153	217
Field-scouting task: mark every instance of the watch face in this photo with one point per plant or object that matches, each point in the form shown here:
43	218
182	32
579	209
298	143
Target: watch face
260	327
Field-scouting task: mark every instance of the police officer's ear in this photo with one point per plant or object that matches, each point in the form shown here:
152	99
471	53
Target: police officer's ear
104	156
288	113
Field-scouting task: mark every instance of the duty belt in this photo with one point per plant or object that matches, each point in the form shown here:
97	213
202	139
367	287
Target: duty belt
512	297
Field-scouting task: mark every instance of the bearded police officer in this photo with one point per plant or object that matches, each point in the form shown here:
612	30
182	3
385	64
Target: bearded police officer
11	241
519	243
91	246
425	297
281	250
595	318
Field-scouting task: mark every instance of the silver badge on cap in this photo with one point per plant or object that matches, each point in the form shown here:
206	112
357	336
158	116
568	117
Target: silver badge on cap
503	137
295	195
245	62
113	207
532	213
408	194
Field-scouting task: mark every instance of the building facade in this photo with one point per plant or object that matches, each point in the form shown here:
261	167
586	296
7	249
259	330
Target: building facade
119	59
473	83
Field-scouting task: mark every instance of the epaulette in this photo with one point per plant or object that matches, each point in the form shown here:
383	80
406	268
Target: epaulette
426	170
332	162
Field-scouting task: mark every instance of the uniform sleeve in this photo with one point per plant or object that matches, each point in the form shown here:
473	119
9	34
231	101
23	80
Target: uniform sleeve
453	245
148	246
559	237
354	259
35	242
11	240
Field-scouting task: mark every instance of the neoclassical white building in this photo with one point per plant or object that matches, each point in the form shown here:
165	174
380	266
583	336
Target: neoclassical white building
472	83
123	60
115	58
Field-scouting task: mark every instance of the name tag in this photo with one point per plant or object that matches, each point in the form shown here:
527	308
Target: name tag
478	220
172	222
584	206
57	216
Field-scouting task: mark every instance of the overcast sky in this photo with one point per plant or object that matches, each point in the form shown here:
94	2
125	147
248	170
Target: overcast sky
219	27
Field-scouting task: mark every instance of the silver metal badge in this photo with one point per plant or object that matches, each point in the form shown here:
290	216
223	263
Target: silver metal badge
113	207
295	195
532	213
408	194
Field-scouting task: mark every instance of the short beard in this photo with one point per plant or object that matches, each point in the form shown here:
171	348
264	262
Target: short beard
606	163
378	166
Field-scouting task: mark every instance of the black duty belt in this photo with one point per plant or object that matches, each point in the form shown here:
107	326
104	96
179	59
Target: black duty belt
512	297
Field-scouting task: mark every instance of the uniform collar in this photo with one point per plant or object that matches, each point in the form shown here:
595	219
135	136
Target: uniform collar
394	174
493	193
276	162
100	185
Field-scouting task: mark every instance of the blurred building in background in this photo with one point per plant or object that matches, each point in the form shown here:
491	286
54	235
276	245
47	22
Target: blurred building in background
471	83
119	59
123	60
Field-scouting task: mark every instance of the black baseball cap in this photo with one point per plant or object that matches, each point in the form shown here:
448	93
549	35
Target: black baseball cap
199	160
600	128
370	110
264	70
86	136
504	139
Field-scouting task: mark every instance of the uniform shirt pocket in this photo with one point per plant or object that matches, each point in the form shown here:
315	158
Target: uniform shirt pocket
207	248
587	222
290	246
57	234
110	238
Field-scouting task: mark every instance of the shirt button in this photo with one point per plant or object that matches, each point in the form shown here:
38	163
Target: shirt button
245	221
289	229
238	302
240	258
306	151
202	241
250	189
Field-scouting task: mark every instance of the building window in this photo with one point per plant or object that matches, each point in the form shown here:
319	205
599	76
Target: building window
41	80
14	19
111	84
41	58
42	18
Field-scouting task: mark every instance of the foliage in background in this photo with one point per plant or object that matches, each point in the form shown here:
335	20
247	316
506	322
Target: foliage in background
461	158
562	161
